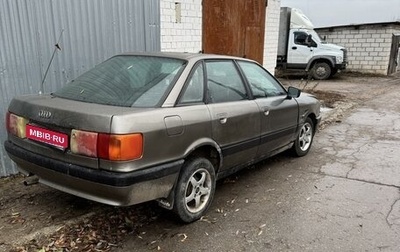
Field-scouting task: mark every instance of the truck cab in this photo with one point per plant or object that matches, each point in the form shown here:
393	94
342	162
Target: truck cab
301	48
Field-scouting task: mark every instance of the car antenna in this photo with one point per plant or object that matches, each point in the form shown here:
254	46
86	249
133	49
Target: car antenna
57	47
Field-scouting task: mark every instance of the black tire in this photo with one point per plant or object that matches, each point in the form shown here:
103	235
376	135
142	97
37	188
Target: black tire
321	71
304	139
194	190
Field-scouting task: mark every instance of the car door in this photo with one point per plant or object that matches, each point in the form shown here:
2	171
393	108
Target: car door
299	52
235	118
279	114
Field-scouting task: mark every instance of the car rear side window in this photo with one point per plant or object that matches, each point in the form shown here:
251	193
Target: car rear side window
194	87
224	83
138	81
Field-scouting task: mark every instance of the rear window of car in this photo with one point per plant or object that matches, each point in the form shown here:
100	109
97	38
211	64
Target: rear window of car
128	81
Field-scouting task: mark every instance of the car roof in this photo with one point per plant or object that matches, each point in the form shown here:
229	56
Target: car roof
183	55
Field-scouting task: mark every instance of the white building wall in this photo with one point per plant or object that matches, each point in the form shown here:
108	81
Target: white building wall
185	35
271	35
181	30
368	46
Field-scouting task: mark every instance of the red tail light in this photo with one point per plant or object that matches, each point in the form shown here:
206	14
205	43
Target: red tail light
16	125
120	147
84	143
107	146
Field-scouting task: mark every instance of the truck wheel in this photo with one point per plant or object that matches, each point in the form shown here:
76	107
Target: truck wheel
304	140
195	189
321	71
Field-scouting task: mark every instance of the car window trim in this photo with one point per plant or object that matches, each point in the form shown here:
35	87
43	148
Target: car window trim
245	80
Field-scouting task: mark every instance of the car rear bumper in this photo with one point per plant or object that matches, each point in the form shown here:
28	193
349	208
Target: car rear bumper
113	188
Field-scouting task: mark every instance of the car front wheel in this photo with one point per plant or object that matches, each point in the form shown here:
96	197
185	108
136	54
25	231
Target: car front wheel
304	139
195	189
321	71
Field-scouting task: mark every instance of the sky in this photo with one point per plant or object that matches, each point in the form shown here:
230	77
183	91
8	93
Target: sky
325	13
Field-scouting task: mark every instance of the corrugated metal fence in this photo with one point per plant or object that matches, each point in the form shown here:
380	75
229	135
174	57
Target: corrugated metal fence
93	30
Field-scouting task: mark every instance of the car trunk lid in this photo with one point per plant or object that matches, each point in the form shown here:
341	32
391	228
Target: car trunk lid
51	121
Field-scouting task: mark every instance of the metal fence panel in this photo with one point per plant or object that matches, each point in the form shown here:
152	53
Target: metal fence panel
93	30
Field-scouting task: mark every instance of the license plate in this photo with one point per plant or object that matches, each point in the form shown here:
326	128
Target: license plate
53	138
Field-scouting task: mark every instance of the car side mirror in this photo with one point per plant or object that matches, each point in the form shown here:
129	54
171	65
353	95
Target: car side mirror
293	92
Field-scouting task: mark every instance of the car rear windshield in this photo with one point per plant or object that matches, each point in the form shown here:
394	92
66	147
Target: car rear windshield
128	81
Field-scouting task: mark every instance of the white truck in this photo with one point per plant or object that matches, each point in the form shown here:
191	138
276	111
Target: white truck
301	48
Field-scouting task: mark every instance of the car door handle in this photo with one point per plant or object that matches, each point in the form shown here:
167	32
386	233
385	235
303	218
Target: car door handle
294	47
266	111
223	118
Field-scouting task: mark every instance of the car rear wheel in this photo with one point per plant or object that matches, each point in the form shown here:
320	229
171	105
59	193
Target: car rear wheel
321	71
304	140
195	189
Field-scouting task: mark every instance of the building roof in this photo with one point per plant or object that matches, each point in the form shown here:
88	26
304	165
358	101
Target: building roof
360	25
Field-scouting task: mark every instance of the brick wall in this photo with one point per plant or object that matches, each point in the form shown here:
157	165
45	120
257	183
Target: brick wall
185	35
368	45
182	35
271	34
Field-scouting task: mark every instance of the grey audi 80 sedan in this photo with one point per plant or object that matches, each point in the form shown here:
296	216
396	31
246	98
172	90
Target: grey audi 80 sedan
158	126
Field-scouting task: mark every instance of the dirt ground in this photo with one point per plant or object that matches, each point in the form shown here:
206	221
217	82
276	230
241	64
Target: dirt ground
39	218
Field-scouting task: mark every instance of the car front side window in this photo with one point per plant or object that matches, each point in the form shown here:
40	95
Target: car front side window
300	38
262	84
224	83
